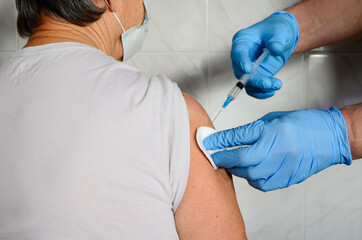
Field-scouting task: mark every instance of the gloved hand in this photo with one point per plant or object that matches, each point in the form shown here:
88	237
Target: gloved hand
279	33
286	147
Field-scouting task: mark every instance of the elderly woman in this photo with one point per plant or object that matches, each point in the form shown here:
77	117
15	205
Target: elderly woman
90	148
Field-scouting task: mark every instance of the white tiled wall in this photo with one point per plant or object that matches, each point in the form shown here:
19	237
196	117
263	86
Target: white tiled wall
190	42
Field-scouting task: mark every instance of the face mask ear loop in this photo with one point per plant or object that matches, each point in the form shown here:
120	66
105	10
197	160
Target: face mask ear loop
119	21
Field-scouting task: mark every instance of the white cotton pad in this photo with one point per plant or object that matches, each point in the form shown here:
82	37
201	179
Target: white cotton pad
202	133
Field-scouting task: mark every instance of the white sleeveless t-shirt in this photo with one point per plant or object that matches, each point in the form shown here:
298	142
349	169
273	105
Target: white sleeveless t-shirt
90	148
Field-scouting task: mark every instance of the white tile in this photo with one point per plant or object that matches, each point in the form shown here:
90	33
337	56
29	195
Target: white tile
189	71
273	215
245	108
334	80
353	44
7	25
177	26
4	57
229	16
334	197
21	42
334	203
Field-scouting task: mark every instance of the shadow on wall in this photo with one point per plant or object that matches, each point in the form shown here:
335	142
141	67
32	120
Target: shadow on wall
349	80
350	45
216	66
221	71
334	80
220	65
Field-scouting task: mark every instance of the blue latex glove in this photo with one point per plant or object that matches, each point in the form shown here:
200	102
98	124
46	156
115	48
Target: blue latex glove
286	147
279	33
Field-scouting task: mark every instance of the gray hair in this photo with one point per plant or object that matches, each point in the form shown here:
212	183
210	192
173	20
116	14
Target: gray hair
79	12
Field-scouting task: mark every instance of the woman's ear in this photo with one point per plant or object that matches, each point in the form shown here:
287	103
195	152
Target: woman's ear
111	5
107	4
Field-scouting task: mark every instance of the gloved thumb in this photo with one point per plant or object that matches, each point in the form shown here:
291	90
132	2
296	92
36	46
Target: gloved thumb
282	39
241	62
243	135
278	43
276	46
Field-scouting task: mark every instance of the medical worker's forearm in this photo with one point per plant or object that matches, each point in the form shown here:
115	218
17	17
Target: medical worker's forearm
353	116
322	22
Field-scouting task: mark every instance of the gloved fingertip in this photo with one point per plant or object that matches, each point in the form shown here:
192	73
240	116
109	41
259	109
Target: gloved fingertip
251	93
267	95
247	67
219	160
277	84
258	184
237	71
241	64
258	93
237	75
263	95
207	144
276	46
211	143
215	159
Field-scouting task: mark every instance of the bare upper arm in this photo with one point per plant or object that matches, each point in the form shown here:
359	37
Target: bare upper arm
209	208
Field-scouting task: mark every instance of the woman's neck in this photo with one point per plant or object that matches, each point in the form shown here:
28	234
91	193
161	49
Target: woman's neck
53	31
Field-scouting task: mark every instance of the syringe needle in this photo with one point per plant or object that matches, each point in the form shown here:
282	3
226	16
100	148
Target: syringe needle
216	116
234	92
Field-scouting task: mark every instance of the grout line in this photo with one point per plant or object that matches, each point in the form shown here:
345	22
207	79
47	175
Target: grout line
208	23
10	51
209	76
208	57
182	52
16	42
208	84
16	31
175	53
227	52
310	53
306	54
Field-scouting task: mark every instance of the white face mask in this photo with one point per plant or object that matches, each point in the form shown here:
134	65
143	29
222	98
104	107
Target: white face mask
133	38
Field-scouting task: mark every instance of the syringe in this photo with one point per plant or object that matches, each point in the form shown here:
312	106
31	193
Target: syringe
242	82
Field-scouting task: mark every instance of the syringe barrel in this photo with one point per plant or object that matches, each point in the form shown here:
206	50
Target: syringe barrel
243	80
235	90
245	77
